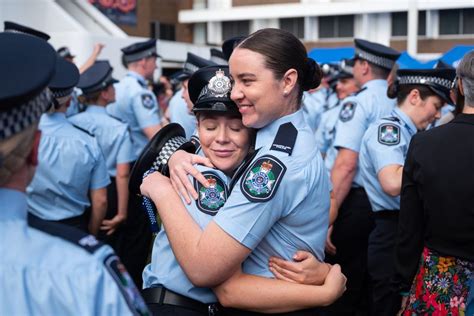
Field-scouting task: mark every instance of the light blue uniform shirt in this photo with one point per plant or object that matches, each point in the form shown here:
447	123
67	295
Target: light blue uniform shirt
327	131
41	274
313	107
70	164
75	106
385	143
164	269
111	134
276	213
137	106
179	113
358	112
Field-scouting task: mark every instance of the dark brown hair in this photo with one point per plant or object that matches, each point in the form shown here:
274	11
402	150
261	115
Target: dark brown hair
90	98
401	92
283	51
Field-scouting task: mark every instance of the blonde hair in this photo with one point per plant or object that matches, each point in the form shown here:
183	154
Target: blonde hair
14	152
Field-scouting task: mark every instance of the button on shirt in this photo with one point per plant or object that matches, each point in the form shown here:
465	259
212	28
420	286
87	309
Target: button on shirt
137	106
364	108
179	113
376	154
164	269
70	164
41	274
111	134
296	217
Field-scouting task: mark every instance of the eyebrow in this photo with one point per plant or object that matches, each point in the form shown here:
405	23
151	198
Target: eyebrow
246	74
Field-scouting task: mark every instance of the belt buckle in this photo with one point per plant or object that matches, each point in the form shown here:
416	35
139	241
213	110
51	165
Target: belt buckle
212	310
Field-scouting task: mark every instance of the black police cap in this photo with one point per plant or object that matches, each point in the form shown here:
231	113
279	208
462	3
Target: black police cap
27	65
191	65
13	27
65	78
64	52
139	50
438	80
229	45
378	54
218	57
97	77
209	90
442	65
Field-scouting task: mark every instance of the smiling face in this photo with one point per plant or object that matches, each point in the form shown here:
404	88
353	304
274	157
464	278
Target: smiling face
428	111
259	96
224	140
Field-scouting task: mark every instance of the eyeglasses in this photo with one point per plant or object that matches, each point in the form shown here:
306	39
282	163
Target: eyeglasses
454	85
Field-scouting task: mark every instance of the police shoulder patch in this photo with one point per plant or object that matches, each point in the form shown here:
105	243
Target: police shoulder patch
389	134
211	199
261	180
127	287
347	111
147	101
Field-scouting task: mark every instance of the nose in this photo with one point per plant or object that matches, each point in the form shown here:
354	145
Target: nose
236	93
222	136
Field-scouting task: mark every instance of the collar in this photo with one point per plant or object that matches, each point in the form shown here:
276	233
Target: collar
406	120
13	205
375	83
464	118
53	118
137	76
96	109
266	135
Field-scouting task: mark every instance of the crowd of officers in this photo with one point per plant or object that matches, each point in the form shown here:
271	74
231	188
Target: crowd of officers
97	126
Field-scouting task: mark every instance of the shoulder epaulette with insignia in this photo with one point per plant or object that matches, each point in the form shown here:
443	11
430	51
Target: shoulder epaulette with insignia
389	134
212	198
285	138
357	92
83	129
262	178
392	119
68	233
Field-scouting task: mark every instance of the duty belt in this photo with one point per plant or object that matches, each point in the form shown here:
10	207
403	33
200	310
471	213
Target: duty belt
161	295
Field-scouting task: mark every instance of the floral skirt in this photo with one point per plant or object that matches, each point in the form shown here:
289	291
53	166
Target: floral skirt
441	286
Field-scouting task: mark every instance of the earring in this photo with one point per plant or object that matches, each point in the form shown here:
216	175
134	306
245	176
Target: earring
285	93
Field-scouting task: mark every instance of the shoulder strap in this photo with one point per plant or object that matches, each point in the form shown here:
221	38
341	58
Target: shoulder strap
285	138
83	129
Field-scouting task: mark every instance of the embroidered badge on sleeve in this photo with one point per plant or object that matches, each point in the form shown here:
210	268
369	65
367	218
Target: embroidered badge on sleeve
347	111
147	101
211	199
261	180
389	134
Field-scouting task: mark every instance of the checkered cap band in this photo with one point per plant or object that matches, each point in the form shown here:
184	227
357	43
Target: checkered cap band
374	59
169	148
18	118
61	93
435	81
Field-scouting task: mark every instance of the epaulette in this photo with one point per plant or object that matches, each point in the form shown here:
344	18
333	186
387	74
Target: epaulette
116	118
392	119
83	129
285	138
68	233
356	93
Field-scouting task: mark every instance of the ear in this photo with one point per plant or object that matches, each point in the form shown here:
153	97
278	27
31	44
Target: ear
365	66
290	78
414	96
32	158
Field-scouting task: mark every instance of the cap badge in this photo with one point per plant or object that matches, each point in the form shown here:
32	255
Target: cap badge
219	85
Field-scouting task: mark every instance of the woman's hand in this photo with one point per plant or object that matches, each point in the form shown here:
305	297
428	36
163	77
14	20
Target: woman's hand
305	269
180	166
111	225
335	283
155	186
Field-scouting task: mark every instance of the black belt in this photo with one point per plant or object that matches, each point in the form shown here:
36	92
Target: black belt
161	295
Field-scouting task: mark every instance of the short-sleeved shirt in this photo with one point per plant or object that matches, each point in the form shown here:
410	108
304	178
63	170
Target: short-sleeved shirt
43	274
179	113
385	143
70	163
164	269
111	134
281	202
326	133
313	106
137	106
358	112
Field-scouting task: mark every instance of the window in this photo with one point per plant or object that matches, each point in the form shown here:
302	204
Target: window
456	21
235	28
163	31
294	26
336	26
400	23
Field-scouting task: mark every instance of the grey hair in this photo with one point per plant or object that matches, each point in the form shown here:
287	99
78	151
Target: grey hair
465	71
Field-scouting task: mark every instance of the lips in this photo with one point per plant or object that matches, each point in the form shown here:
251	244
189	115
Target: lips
244	108
223	153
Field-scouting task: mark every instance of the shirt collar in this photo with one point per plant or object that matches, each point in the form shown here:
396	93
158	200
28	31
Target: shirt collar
96	109
266	134
375	83
406	120
53	118
137	76
13	205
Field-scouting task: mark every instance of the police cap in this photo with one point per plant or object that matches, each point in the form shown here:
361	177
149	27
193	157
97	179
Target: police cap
27	65
377	54
139	51
97	77
192	64
229	45
65	78
438	80
218	57
13	27
64	52
209	90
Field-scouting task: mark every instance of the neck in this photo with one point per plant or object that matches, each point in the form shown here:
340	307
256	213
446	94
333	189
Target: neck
137	69
468	109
